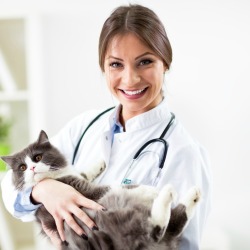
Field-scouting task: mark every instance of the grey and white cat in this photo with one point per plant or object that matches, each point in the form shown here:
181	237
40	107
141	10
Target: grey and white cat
137	217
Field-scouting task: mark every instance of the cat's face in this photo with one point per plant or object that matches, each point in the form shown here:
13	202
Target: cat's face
38	161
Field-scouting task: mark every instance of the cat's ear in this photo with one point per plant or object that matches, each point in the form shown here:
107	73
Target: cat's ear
7	159
42	137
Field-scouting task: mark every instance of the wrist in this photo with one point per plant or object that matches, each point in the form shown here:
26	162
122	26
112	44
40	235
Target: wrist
39	191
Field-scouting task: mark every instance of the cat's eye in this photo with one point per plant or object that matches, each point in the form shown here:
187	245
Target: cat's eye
38	158
23	167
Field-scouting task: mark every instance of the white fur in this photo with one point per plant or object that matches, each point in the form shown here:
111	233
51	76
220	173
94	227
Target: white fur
42	171
161	209
145	193
191	200
95	171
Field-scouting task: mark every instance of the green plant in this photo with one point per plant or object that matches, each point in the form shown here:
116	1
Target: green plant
4	140
4	129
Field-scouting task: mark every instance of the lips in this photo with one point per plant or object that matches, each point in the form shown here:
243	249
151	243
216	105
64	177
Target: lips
133	94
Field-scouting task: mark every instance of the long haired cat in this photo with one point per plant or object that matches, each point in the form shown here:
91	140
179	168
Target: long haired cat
137	217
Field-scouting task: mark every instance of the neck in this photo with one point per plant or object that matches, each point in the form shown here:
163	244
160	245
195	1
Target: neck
126	114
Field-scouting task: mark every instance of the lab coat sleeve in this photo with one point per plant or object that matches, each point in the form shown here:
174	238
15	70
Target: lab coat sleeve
17	203
190	167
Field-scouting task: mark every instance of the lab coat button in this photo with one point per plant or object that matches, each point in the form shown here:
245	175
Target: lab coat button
106	138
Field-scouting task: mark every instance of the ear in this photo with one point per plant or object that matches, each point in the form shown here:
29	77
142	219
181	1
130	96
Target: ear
7	159
165	68
42	137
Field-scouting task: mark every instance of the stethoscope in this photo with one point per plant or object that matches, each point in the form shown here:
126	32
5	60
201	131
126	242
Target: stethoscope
161	139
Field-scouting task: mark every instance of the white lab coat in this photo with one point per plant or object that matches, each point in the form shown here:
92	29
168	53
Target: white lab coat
186	164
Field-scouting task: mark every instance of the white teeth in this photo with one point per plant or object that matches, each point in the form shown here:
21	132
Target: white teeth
135	92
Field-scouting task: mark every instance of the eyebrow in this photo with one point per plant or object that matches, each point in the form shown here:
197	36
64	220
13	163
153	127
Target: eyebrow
144	54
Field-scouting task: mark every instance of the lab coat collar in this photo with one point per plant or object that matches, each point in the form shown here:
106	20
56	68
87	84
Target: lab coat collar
158	114
144	120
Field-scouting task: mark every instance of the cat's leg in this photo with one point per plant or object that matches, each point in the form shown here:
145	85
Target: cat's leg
94	171
183	212
191	200
161	211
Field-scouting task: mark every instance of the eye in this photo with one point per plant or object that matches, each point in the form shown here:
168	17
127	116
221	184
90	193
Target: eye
38	158
115	65
145	62
22	167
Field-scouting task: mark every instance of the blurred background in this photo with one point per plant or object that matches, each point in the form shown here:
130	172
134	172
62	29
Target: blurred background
49	73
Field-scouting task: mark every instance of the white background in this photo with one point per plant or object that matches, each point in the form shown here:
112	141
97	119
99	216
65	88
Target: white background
208	84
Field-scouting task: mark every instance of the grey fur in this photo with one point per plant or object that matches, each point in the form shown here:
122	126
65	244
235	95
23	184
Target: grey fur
124	226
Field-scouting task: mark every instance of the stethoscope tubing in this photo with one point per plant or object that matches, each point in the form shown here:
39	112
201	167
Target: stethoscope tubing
139	152
160	139
165	146
84	132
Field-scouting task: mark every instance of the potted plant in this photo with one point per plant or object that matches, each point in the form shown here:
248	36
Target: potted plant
4	140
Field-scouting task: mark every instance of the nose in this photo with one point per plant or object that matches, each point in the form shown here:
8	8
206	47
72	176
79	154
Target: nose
130	76
32	168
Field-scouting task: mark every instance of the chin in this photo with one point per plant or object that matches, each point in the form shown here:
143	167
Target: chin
39	177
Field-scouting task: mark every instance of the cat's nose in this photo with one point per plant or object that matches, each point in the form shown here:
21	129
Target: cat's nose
32	168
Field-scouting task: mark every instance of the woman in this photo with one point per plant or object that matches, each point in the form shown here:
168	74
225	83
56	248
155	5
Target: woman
134	55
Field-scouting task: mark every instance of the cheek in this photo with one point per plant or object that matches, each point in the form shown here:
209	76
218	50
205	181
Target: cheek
42	167
157	78
111	80
28	175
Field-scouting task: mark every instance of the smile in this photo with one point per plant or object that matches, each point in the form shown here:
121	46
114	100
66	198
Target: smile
134	92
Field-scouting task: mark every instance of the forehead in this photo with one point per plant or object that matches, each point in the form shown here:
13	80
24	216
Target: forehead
126	45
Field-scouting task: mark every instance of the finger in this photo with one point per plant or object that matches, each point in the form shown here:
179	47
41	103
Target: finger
84	218
73	224
87	203
60	228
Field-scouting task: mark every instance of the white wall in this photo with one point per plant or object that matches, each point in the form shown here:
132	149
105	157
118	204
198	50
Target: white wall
208	85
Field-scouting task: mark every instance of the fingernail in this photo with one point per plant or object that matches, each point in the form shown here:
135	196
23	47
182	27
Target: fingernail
65	243
95	228
84	236
104	209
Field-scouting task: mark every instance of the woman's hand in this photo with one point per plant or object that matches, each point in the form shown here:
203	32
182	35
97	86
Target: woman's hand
62	202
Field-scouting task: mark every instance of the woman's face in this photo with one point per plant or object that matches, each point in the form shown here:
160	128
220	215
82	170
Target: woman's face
134	75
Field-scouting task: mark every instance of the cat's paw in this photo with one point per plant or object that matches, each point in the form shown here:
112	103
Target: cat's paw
95	171
191	200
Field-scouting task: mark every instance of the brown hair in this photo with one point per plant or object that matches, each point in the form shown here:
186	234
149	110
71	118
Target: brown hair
140	21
